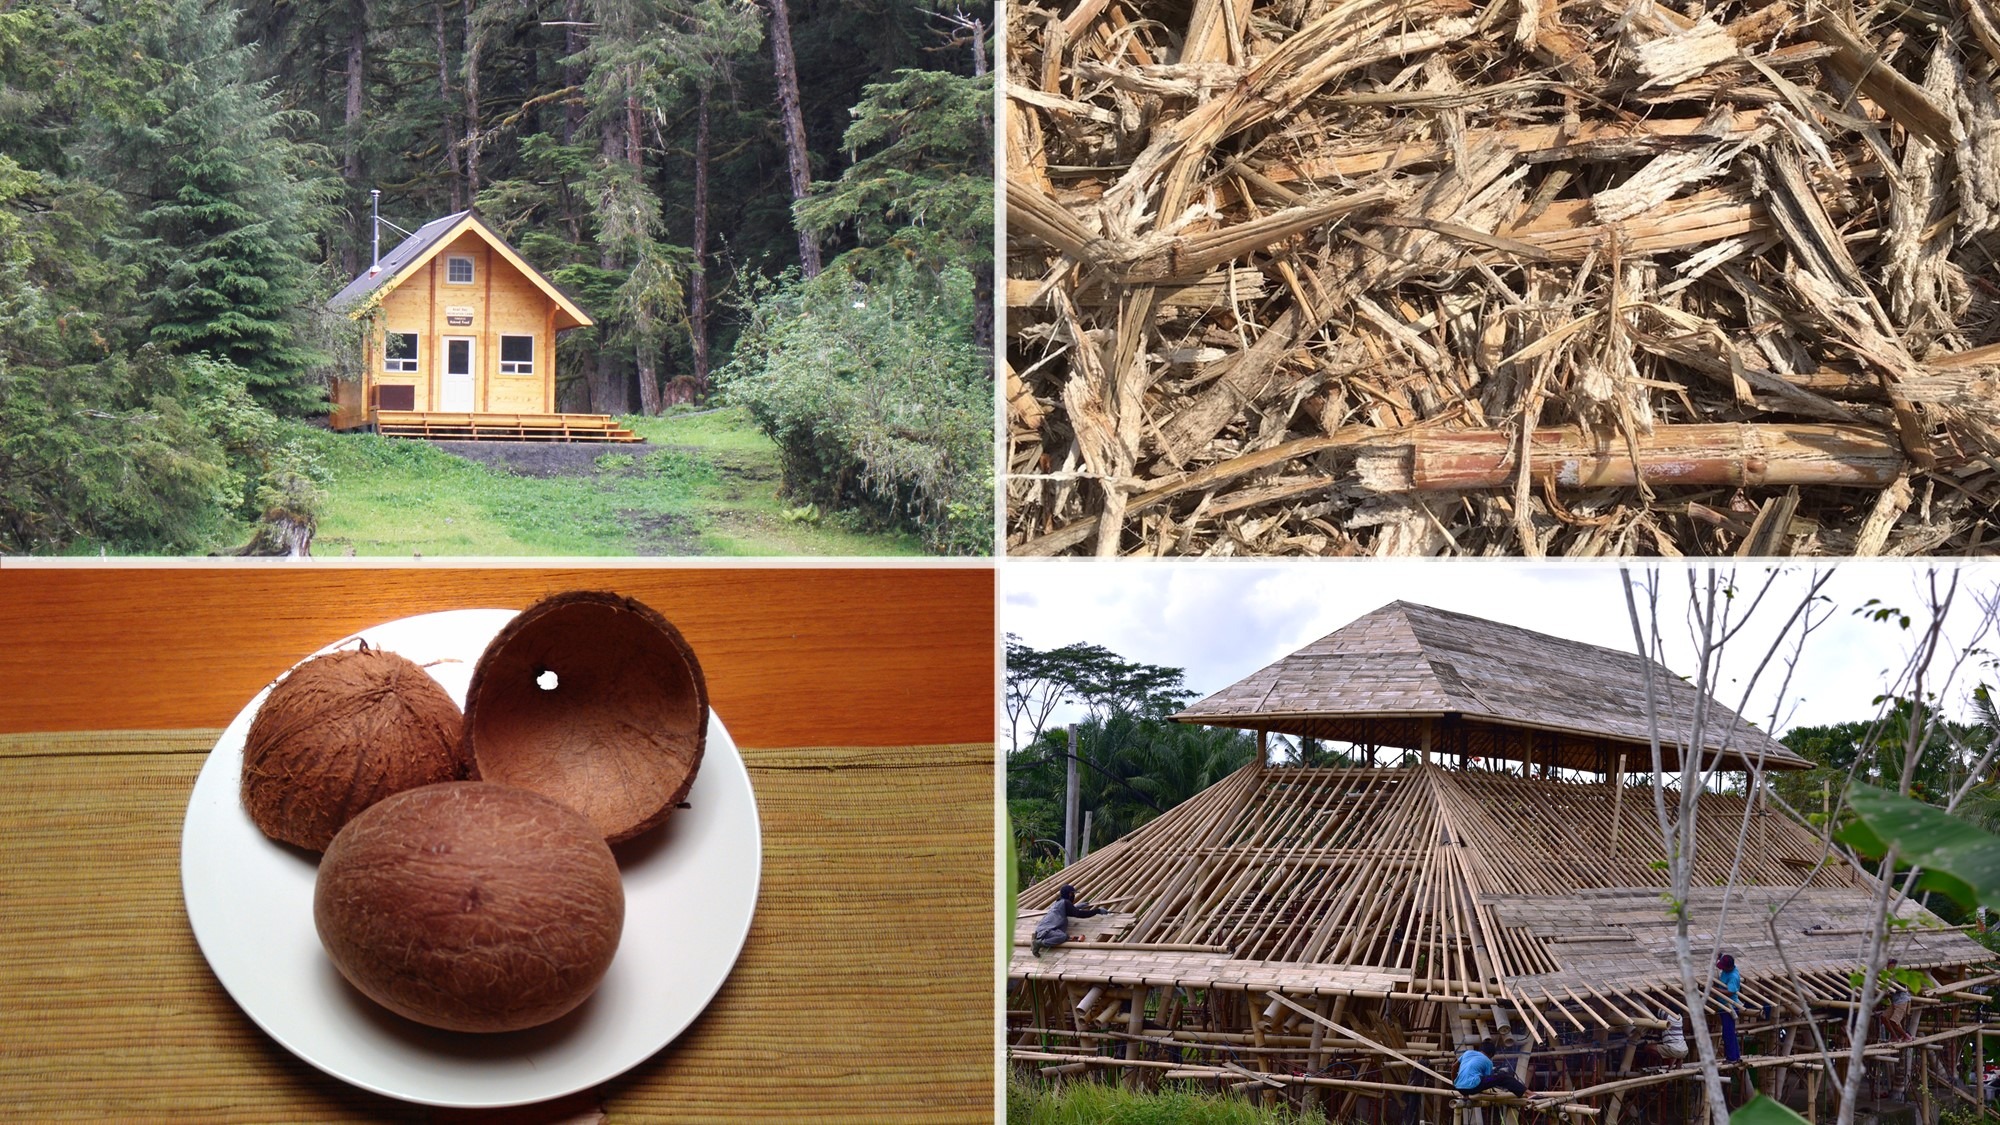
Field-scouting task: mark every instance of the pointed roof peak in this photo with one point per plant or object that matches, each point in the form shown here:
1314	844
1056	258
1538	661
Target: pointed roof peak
1521	694
423	244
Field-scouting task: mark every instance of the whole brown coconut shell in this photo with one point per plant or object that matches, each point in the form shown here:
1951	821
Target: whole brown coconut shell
341	732
619	734
471	906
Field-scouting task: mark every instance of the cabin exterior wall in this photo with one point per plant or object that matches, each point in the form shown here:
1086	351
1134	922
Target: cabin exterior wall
499	301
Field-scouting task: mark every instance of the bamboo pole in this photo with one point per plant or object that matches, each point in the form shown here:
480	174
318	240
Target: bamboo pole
1358	1037
1135	1023
1618	807
1741	455
1569	1107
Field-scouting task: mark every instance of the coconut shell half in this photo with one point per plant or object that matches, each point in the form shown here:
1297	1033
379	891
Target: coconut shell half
341	732
595	700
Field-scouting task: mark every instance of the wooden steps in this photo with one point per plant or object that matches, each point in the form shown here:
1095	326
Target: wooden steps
442	426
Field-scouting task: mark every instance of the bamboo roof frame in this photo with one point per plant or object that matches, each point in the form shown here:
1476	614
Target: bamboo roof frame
1471	886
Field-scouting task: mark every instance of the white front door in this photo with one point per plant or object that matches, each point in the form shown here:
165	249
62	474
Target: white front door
455	394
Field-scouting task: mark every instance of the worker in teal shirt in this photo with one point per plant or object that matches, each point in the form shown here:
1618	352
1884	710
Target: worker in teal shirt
1730	981
1477	1074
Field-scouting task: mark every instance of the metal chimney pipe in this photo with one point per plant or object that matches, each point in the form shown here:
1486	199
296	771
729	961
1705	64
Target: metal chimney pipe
375	212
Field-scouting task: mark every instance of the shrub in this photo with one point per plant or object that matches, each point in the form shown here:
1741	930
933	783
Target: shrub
878	399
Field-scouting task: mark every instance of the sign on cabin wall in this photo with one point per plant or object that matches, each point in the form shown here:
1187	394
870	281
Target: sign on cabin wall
458	316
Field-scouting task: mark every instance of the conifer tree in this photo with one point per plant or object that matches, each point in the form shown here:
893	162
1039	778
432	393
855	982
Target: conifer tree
230	209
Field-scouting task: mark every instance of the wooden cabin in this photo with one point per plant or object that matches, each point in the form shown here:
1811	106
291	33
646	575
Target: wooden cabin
461	342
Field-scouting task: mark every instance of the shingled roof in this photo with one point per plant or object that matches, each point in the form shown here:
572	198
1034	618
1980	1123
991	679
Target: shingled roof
1484	689
406	251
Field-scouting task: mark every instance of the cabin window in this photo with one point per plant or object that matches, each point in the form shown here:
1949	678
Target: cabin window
399	351
517	355
458	271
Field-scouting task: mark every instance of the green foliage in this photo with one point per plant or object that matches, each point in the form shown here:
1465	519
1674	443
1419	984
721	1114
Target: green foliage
1095	1103
924	190
1013	884
878	399
1763	1110
1134	763
231	205
1131	768
1039	681
1873	751
1958	858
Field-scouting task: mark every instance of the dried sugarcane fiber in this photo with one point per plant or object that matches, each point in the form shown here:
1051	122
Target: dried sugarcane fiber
471	906
1631	278
341	732
595	700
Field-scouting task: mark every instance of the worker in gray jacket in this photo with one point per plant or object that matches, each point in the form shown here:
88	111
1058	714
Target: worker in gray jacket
1053	930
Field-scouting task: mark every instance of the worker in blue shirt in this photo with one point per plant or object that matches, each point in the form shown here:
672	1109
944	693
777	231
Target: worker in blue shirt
1477	1074
1730	981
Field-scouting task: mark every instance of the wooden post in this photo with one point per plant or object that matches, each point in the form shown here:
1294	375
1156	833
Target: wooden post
1979	1068
1070	798
1083	844
1617	805
1813	1078
1263	749
1427	741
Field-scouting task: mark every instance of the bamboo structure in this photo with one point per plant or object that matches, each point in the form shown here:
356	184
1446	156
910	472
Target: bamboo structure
1345	932
1258	248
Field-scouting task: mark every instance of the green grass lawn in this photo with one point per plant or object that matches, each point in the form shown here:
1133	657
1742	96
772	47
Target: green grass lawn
710	488
1096	1103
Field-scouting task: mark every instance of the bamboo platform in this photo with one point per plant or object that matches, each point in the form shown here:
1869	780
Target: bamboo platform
444	426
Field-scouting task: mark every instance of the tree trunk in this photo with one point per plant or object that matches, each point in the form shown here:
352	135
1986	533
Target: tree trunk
357	44
444	99
645	351
787	69
471	106
607	382
698	278
573	74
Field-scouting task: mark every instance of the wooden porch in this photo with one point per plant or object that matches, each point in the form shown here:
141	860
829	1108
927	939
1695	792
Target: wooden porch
449	426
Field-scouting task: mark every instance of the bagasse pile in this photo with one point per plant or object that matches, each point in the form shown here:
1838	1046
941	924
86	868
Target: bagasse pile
1563	277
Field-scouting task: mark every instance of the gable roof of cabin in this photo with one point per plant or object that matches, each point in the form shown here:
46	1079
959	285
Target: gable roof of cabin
1409	660
421	246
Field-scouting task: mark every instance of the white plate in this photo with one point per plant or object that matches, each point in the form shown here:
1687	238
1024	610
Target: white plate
690	889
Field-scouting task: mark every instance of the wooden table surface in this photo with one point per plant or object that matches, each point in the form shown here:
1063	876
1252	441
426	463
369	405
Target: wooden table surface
863	700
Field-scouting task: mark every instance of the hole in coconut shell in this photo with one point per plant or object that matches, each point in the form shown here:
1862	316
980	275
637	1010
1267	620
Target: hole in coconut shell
547	680
621	741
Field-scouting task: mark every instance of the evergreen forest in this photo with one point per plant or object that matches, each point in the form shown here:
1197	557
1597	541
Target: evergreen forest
781	206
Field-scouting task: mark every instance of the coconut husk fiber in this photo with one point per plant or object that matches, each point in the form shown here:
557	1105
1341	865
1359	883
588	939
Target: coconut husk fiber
1536	277
594	700
341	732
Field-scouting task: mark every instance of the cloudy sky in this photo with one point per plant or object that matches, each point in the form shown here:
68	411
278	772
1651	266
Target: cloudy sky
1224	619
